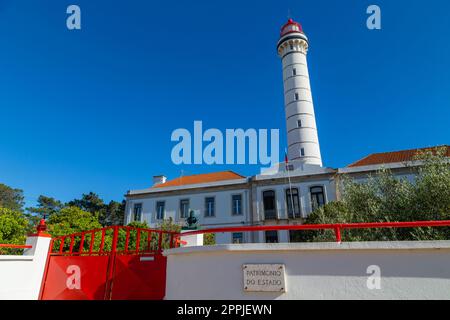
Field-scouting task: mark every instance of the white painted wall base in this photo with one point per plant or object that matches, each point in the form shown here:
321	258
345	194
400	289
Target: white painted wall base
409	270
192	240
21	276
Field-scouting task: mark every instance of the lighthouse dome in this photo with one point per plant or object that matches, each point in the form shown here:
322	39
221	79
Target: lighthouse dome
290	27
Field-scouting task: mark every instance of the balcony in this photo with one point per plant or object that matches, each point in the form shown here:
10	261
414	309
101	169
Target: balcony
270	214
294	215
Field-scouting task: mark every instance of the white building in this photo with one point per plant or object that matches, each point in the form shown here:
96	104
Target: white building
229	199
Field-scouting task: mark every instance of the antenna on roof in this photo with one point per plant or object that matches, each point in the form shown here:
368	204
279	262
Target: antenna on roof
289	15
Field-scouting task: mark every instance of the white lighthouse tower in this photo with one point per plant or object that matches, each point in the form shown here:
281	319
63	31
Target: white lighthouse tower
303	141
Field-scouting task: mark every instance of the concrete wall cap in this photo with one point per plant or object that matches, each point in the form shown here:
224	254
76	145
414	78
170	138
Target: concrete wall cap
280	247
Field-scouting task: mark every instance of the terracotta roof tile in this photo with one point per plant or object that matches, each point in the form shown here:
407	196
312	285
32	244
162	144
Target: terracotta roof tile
200	178
391	157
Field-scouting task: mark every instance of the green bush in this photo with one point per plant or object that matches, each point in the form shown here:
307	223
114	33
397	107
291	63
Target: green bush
13	227
386	198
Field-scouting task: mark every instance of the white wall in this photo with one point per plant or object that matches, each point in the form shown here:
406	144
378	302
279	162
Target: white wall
409	270
21	276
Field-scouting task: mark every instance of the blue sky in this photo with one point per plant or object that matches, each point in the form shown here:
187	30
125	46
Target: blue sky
93	110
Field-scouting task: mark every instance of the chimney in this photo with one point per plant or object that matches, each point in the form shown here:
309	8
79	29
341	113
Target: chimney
159	179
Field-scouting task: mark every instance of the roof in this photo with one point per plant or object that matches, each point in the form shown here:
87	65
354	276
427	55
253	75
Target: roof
392	157
200	178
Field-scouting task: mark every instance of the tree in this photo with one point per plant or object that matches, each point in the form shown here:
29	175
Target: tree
114	214
11	198
138	224
169	225
46	206
71	220
108	214
13	227
90	202
384	197
209	239
432	186
148	240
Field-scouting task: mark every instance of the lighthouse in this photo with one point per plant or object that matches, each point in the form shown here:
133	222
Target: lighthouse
303	140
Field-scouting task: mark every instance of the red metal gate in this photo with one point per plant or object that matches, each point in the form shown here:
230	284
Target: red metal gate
110	263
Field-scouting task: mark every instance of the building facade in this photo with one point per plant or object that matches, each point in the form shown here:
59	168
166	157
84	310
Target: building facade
283	194
227	199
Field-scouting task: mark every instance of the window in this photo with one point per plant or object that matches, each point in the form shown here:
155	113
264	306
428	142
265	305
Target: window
294	72
237	204
272	236
269	204
292	203
299	123
317	197
160	210
237	237
137	212
302	152
290	167
209	207
296	96
291	46
184	208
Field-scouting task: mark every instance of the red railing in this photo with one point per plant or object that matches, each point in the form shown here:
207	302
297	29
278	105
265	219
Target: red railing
115	239
130	240
16	246
337	228
13	249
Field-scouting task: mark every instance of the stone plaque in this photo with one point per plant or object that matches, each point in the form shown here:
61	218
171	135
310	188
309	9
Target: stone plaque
264	278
